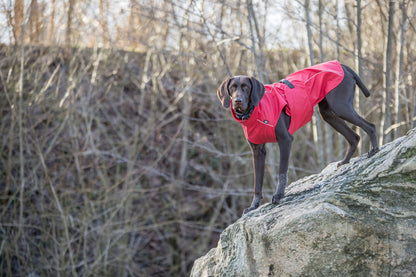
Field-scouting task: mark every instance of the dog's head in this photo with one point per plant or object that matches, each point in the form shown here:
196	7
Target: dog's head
242	90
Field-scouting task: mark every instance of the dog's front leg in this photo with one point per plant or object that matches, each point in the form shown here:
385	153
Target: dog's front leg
284	139
259	158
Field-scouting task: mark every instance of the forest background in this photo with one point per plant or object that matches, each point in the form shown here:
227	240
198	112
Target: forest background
117	158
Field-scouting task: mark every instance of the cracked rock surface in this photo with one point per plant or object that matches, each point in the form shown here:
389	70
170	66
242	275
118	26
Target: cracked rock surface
356	220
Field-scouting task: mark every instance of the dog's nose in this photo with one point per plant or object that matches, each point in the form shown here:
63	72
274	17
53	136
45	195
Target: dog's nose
238	99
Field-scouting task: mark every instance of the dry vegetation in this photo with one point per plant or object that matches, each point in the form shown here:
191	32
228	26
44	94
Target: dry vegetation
123	163
98	187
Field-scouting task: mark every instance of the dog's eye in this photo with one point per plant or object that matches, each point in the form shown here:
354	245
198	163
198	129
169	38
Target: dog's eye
244	86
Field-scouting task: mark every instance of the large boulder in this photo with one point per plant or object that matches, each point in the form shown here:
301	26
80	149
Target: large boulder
356	220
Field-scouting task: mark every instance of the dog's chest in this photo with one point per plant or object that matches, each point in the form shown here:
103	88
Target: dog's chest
260	127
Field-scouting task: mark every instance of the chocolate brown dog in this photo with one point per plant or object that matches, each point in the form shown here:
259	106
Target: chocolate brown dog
272	113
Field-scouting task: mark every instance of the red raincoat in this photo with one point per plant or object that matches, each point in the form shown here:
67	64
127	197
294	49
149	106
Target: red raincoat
310	87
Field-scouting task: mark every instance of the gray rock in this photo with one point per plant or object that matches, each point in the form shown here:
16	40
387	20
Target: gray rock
356	220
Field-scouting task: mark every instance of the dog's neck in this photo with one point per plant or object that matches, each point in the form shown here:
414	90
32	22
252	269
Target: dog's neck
246	115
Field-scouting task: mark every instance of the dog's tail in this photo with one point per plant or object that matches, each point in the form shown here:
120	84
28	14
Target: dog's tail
358	81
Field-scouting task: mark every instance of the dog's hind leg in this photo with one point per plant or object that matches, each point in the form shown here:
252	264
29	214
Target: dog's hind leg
339	125
340	101
349	114
368	127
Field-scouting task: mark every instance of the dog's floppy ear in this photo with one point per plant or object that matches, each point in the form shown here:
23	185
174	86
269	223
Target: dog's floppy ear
223	93
257	91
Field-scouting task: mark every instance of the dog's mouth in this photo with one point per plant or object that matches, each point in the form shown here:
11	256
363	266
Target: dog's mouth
239	109
243	113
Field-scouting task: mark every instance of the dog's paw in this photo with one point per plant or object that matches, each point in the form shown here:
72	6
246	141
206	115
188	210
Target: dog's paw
252	207
341	163
249	210
276	198
373	151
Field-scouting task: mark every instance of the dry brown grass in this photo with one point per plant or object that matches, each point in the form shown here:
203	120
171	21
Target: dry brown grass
99	177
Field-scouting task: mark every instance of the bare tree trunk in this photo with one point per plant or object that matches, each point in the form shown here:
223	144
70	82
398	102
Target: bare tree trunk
316	128
338	31
386	119
34	22
257	43
187	104
328	135
20	123
359	40
412	108
400	44
410	99
341	140
68	31
309	32
358	95
130	30
187	98
103	22
321	47
52	22
18	20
